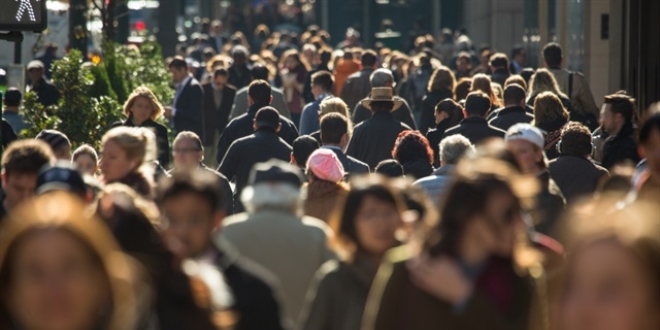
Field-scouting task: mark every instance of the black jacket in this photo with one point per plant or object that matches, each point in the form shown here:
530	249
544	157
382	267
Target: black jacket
509	116
417	169
435	136
402	114
493	113
227	193
373	139
216	118
620	148
245	152
350	164
430	100
476	129
189	114
550	205
46	92
239	76
162	139
8	134
500	76
576	176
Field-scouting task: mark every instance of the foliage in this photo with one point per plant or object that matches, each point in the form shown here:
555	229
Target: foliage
101	85
145	66
37	117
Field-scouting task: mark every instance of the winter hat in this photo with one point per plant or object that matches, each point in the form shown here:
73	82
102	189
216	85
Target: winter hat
526	132
325	165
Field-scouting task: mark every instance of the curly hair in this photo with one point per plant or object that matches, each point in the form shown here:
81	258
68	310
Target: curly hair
575	140
548	107
144	91
410	146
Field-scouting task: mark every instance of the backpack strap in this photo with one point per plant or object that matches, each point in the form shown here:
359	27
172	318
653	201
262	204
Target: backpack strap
570	84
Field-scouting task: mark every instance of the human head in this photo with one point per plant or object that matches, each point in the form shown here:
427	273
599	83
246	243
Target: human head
274	185
543	81
335	130
390	168
575	140
547	108
369	59
259	72
526	142
463	88
381	78
58	142
649	141
449	109
464	61
617	111
499	61
368	218
482	82
291	59
12	97
259	93
21	163
35	71
86	159
334	105
516	79
323	164
239	54
442	78
322	82
453	148
267	118
613	267
519	54
178	67
188	150
142	105
411	146
303	147
552	55
514	95
220	77
125	150
192	209
62	176
477	104
60	268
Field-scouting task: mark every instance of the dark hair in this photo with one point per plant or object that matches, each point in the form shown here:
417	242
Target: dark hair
527	74
411	146
259	72
451	108
517	51
575	140
622	104
26	157
652	123
202	183
343	221
514	94
499	60
259	91
51	48
462	89
220	72
192	136
325	55
303	147
477	104
324	79
552	54
369	58
13	97
390	168
178	63
333	126
385	106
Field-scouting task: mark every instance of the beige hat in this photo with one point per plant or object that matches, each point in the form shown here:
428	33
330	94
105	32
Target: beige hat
381	94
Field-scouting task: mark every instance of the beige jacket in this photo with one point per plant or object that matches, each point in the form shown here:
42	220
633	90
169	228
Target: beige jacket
581	97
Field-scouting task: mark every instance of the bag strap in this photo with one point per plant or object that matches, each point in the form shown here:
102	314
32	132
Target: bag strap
570	84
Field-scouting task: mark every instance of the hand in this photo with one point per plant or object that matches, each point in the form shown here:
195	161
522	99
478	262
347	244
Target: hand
167	112
440	277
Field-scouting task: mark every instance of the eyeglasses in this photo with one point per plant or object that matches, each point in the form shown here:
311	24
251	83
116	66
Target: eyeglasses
185	150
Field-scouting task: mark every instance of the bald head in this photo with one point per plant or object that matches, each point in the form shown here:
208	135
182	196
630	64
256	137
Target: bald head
381	78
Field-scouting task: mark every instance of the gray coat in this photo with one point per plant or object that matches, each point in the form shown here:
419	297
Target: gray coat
241	103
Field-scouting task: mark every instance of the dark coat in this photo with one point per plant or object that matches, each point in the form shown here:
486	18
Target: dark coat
435	136
620	148
373	139
476	129
402	114
430	100
216	118
550	204
189	114
350	164
509	116
245	152
162	138
47	93
239	76
8	134
417	169
576	176
227	194
356	87
243	126
552	134
500	76
138	181
493	113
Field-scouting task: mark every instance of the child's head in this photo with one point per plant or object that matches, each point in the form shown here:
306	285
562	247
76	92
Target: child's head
86	159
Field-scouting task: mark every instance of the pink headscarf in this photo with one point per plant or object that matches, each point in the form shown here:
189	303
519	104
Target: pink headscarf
325	165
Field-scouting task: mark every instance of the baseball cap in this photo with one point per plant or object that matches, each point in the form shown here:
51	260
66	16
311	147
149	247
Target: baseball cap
527	133
276	170
268	116
36	64
61	176
325	165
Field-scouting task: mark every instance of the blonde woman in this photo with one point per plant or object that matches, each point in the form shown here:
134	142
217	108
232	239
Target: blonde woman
333	105
544	81
551	117
142	109
482	83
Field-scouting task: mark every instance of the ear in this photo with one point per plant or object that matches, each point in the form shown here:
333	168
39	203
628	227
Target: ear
279	127
271	99
344	139
640	151
254	125
293	160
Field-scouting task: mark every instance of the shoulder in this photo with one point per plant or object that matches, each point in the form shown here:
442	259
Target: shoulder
497	131
235	221
453	130
316	224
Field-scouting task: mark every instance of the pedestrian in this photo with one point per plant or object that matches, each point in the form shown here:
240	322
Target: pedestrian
373	140
239	73
390	168
617	115
462	89
49	56
418	82
47	93
86	160
335	133
474	126
544	81
518	59
463	66
448	114
302	148
324	55
12	100
192	204
293	71
128	154
322	83
573	171
413	152
218	100
482	83
484	60
186	112
331	105
358	85
499	66
441	86
325	188
365	228
256	148
514	110
273	234
58	142
142	109
344	67
384	78
551	117
241	101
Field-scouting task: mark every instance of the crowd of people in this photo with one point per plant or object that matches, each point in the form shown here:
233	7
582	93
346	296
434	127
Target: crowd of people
315	187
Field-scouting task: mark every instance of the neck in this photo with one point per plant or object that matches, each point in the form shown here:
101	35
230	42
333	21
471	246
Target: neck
138	122
471	252
11	109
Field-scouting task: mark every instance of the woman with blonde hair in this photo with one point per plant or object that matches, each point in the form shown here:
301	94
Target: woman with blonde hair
142	109
551	117
544	81
333	105
481	82
127	157
441	86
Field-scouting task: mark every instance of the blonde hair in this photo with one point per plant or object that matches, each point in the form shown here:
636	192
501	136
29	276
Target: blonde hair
441	78
139	144
543	81
481	82
548	107
335	104
144	91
